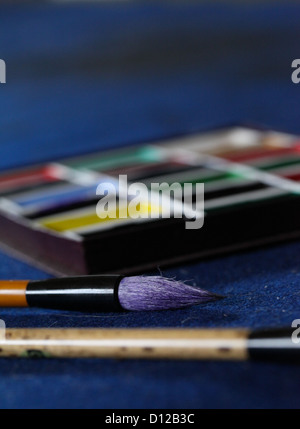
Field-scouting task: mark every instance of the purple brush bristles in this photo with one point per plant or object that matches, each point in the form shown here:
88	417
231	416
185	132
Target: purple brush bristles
159	293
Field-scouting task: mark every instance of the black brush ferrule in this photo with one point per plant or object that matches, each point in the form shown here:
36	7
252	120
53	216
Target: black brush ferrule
274	344
83	293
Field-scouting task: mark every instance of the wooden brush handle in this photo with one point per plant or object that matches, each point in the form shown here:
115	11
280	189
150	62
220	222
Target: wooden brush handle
13	293
84	293
125	343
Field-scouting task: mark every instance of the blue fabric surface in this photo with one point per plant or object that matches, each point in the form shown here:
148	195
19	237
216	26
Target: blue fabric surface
82	77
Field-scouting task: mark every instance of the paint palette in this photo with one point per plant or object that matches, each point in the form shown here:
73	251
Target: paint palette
49	214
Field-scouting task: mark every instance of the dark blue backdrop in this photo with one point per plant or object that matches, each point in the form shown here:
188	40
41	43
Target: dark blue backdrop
93	76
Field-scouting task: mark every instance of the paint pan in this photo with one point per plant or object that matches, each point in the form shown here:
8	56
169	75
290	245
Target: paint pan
48	213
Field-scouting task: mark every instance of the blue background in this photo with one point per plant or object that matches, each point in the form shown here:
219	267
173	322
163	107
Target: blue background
82	77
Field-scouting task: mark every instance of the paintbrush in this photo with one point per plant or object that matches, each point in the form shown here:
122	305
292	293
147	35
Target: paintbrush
225	344
103	293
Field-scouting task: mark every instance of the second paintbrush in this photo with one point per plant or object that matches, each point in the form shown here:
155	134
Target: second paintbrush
103	293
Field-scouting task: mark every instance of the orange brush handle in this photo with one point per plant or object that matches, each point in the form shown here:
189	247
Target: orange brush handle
13	293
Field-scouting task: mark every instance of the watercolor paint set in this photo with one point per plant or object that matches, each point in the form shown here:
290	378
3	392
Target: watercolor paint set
251	183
